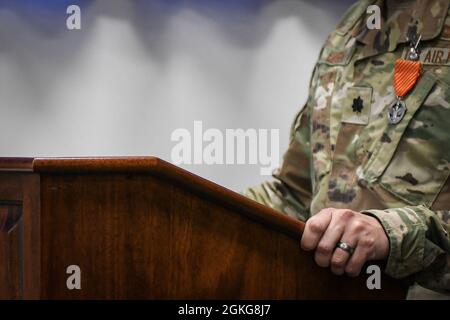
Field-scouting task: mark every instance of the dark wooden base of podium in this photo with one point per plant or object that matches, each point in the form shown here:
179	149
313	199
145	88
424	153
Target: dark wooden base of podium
140	228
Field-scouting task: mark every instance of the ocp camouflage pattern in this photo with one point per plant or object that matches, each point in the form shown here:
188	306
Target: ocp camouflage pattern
343	153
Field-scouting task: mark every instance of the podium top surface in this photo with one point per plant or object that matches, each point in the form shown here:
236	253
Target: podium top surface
82	164
161	168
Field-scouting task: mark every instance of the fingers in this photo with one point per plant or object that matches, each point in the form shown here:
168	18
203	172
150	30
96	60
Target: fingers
327	243
364	252
364	233
314	229
340	257
356	262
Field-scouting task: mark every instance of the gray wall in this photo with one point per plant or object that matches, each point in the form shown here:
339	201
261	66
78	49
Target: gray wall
140	69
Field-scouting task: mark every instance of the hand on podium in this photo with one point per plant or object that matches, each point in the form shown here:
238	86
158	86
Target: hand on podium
345	240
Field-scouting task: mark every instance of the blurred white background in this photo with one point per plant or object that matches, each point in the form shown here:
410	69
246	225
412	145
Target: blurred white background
137	70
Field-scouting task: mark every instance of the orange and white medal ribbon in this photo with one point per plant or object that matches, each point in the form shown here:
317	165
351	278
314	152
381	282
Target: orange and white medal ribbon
406	73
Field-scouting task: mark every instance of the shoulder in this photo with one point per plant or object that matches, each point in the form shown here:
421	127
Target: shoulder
338	47
353	17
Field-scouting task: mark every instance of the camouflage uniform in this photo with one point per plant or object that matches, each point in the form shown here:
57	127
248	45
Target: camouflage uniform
343	153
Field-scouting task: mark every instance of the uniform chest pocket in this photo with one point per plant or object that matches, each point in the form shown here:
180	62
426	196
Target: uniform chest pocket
418	147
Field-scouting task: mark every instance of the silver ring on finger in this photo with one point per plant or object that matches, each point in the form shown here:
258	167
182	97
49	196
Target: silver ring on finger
345	246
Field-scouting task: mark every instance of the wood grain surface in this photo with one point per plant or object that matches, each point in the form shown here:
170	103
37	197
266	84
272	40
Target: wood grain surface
141	228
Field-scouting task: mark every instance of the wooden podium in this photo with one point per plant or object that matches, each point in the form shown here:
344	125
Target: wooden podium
141	228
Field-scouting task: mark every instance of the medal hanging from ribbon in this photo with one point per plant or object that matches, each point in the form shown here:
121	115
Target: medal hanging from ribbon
406	73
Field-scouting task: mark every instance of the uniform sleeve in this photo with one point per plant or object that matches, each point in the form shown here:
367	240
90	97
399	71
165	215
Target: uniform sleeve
419	245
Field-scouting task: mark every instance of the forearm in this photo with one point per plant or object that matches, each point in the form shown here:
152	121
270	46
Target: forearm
276	195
